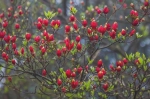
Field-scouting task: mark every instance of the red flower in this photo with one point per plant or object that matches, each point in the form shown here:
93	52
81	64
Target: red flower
37	39
118	68
115	26
59	11
119	63
78	38
50	37
111	67
73	74
2	34
5	24
79	46
64	50
16	52
95	37
135	22
14	46
17	26
75	26
43	50
84	23
28	36
31	49
68	73
40	20
97	69
4	54
59	81
89	31
100	74
106	10
137	62
102	29
13	39
79	69
9	78
104	71
146	3
13	61
100	63
45	22
63	89
20	12
58	52
44	72
98	11
125	61
107	26
112	34
67	29
93	24
105	86
123	32
7	38
69	45
72	18
74	84
39	25
22	50
2	15
133	13
132	32
55	23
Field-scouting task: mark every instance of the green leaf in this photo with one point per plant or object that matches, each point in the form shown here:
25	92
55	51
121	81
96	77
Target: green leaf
68	94
64	75
111	88
144	80
124	67
92	68
73	10
79	95
73	51
138	35
90	8
127	56
148	60
61	70
90	62
10	67
145	67
104	96
88	59
49	82
53	15
87	85
141	60
131	57
82	16
144	57
92	92
24	43
145	33
6	90
49	15
137	54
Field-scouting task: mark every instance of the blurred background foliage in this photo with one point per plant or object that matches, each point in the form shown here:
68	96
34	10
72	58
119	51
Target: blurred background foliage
24	85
